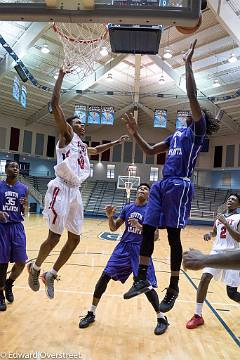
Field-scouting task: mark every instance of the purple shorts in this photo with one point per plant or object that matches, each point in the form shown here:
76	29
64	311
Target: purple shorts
169	203
12	243
125	260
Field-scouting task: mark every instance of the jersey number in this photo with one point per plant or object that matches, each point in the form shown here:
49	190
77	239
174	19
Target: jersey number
81	162
223	233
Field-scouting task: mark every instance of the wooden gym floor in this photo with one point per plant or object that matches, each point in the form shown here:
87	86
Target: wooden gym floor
123	329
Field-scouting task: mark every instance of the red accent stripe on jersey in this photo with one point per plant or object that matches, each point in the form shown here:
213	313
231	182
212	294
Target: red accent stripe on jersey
55	194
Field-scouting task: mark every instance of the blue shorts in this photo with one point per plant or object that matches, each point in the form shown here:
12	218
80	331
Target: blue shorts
169	203
125	260
12	243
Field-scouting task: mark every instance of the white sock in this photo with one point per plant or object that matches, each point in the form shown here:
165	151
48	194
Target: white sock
35	267
54	272
93	309
198	309
160	315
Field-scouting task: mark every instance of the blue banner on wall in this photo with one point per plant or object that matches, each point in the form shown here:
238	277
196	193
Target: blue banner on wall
107	117
23	98
160	118
94	115
16	89
81	112
182	117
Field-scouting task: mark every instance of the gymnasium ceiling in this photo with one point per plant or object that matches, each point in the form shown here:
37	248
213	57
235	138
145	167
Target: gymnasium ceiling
215	46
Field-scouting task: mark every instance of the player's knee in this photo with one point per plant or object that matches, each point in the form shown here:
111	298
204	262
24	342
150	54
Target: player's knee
101	285
233	294
20	266
73	239
3	274
174	237
53	238
147	245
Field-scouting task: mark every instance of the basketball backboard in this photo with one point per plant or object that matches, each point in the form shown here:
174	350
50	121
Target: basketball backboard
142	12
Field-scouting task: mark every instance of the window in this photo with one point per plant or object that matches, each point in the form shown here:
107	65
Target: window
110	171
91	170
2	166
154	174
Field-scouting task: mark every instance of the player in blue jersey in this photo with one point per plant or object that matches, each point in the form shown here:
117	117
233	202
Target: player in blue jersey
13	200
124	259
170	199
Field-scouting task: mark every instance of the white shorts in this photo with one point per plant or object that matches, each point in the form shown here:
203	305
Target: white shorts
63	207
228	277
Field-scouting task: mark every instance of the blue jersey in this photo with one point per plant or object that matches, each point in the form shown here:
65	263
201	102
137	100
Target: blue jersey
10	196
184	147
132	211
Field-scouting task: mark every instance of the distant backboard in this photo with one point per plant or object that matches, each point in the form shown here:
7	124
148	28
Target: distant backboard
142	12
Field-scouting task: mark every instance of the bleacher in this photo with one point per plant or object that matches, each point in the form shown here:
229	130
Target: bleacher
96	194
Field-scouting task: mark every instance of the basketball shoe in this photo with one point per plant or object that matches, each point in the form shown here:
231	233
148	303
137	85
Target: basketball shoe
87	320
3	306
162	325
33	277
194	322
48	280
8	291
139	287
169	300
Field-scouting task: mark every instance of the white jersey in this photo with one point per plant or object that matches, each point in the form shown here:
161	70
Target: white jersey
73	164
224	240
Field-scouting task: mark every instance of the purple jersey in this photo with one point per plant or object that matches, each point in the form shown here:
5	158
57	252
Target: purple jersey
132	211
184	147
10	196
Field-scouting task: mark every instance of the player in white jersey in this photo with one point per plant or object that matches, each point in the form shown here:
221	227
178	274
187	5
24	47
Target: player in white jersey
227	232
63	201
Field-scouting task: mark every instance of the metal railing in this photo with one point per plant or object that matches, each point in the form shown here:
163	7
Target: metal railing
32	190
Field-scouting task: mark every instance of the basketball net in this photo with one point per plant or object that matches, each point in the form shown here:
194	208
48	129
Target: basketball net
132	170
81	46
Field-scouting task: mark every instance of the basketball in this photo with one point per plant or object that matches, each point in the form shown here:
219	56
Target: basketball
187	31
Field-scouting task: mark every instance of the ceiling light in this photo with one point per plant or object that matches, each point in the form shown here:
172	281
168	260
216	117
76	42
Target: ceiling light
232	58
216	83
109	76
167	54
103	51
162	79
45	49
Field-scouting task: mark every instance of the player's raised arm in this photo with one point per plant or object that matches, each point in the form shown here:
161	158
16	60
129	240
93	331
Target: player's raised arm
103	147
64	128
191	84
113	224
148	149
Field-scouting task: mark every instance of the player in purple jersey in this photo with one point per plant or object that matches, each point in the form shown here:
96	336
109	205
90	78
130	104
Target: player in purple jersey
170	199
124	259
13	199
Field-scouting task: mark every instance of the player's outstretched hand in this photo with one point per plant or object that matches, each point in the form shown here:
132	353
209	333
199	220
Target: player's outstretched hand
110	210
4	216
130	123
123	138
193	260
207	237
187	57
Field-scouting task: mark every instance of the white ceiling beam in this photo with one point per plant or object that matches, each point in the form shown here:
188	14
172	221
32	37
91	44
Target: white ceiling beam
137	85
227	17
83	85
26	41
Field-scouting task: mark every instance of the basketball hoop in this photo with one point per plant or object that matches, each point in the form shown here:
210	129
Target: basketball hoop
81	46
128	188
